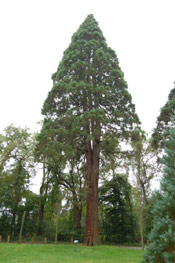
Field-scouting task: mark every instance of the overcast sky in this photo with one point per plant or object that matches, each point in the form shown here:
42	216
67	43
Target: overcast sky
34	34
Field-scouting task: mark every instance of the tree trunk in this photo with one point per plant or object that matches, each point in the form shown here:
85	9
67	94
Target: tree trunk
56	228
77	213
21	229
141	227
43	192
92	172
41	216
13	223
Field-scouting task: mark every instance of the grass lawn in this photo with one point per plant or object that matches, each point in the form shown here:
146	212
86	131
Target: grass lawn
25	253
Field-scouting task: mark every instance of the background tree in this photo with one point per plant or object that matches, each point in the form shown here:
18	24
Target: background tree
68	175
89	109
16	169
145	169
44	189
164	122
162	237
118	220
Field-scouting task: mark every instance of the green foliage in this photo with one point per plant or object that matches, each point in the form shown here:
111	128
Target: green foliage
118	221
16	169
89	99
164	121
143	162
162	237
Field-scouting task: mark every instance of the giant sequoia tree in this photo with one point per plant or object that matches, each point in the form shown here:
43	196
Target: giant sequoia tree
88	111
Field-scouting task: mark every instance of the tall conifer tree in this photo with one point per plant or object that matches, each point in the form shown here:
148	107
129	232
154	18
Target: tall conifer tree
88	110
164	122
162	237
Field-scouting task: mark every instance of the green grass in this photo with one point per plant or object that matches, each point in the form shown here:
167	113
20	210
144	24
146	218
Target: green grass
25	253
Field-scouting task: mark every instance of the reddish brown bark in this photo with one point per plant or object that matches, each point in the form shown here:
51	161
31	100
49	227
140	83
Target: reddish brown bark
92	171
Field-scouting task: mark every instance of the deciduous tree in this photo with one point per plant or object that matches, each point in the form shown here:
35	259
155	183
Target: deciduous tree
16	168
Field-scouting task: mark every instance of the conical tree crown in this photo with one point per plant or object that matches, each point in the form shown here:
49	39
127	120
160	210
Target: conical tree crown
85	54
89	95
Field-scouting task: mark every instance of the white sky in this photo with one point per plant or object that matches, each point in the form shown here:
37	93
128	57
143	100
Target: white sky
34	34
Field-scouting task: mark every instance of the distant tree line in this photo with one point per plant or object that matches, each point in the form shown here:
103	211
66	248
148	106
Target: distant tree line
62	195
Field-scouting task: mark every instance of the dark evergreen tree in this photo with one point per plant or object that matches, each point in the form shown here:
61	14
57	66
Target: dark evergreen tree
88	110
164	121
162	237
118	220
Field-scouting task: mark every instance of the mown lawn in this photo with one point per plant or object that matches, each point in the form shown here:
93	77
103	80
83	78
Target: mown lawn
25	253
